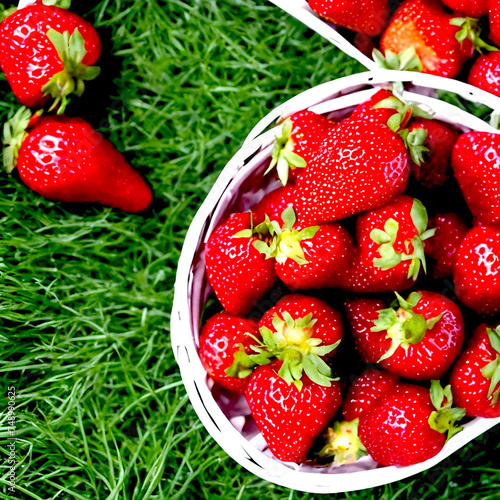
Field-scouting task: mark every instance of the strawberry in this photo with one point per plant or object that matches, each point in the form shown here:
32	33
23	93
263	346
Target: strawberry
364	16
223	339
359	166
443	246
238	272
494	21
47	52
476	273
441	42
365	391
485	73
475	159
369	111
390	250
470	8
475	378
409	424
302	332
301	134
65	159
288	417
312	257
432	158
418	339
273	204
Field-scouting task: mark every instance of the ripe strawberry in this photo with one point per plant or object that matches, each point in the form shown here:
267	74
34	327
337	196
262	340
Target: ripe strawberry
225	338
475	377
273	204
238	272
485	73
432	157
47	51
443	246
301	332
369	111
359	166
364	16
312	257
365	391
418	339
442	47
475	160
390	250
409	425
302	133
476	273
290	418
65	159
494	21
470	8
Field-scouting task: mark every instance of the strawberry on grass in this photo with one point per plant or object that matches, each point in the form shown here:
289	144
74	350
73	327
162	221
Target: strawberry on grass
418	338
64	159
475	379
47	52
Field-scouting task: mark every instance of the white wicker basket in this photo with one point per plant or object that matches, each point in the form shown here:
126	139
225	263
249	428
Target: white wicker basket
223	418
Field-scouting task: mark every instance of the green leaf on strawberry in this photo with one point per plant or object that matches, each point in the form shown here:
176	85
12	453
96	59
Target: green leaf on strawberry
444	418
403	325
342	443
71	80
407	60
492	370
471	29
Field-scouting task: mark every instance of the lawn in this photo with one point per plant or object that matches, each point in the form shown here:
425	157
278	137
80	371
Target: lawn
86	291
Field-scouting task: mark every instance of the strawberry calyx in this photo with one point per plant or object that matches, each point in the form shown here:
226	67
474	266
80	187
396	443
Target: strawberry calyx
293	343
62	4
387	237
244	363
342	443
4	13
414	143
471	29
282	156
492	370
14	133
406	60
403	325
71	80
445	417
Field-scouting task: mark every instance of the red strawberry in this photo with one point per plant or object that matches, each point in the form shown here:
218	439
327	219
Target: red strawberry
273	204
312	257
390	250
301	332
302	133
65	159
409	425
443	246
365	391
476	273
237	271
470	8
363	16
225	338
47	51
359	166
485	73
419	339
475	378
432	155
369	111
494	21
290	418
475	160
425	26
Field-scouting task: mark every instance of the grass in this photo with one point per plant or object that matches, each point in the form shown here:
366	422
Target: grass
86	291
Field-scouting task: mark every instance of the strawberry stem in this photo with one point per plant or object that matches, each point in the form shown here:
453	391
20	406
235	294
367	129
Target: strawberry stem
444	418
403	325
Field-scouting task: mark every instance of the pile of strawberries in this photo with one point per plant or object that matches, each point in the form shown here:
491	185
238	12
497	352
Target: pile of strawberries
439	37
47	53
336	316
